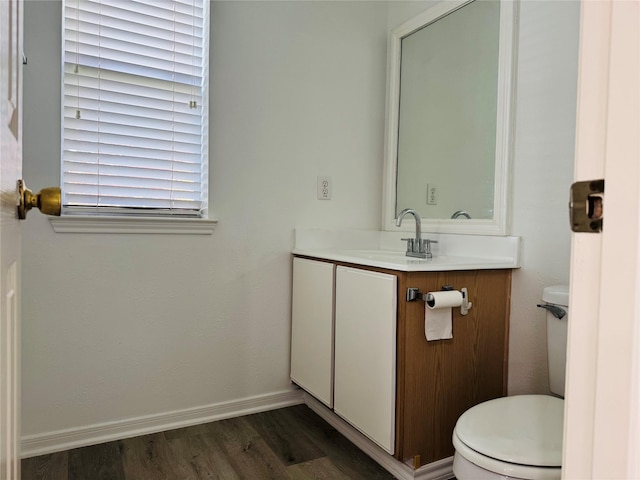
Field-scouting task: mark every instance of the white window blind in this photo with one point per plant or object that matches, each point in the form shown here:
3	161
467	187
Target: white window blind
135	106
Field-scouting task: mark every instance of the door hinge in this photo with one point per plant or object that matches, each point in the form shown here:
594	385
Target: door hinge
586	206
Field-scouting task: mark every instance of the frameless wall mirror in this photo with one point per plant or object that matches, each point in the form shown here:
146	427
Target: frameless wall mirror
449	117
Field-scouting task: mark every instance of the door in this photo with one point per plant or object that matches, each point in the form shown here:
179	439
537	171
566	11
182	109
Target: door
10	172
365	353
312	328
602	407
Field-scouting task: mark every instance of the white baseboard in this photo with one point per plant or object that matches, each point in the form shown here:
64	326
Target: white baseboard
49	442
439	470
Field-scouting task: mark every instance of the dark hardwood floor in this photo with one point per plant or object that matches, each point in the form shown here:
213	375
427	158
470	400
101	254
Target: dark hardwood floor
290	443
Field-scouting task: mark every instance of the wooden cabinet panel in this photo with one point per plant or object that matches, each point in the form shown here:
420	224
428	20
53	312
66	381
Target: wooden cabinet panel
312	328
365	353
439	380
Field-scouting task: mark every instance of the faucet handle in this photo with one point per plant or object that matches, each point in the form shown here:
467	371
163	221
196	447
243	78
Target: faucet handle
426	246
410	243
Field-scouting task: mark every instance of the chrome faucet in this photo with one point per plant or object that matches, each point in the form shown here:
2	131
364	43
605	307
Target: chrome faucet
416	247
460	213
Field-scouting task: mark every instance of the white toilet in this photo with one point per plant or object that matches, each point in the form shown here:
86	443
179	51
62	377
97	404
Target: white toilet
519	437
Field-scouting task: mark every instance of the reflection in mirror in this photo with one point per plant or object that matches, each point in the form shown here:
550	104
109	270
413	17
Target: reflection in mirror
447	117
448	125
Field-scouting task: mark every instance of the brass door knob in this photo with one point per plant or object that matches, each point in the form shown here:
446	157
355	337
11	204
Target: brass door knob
48	200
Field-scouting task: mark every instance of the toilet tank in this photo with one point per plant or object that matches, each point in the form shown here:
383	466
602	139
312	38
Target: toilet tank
557	296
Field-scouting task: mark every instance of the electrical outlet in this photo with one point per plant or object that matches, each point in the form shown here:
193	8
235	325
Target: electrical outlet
324	188
432	194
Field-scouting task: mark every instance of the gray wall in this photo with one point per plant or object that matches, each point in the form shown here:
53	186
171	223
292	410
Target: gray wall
542	174
117	327
132	325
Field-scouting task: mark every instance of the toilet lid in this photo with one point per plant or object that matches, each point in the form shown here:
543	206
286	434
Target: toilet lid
524	429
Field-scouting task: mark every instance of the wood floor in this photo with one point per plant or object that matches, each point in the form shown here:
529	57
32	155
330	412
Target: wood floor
290	443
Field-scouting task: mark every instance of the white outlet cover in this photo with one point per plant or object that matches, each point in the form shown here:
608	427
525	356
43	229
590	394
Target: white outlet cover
324	188
432	194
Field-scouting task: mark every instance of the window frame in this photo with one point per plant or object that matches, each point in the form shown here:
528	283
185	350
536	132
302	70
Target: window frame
97	219
130	224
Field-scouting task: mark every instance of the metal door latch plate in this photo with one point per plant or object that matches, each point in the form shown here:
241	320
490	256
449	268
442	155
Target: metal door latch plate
586	206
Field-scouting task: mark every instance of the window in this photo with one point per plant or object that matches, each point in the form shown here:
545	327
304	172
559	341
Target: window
135	107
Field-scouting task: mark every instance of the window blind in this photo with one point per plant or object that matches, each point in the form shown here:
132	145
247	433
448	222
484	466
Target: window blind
135	106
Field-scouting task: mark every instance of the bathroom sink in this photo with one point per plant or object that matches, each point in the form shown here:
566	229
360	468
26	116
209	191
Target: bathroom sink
397	260
402	258
383	255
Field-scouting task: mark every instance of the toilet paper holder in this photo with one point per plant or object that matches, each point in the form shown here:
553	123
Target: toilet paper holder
414	294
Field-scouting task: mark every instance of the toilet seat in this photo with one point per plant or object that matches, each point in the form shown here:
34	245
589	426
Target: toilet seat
519	436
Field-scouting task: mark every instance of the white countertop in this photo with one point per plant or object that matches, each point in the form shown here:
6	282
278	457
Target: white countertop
399	261
382	250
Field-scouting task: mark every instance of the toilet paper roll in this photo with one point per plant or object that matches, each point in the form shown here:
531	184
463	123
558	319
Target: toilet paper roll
437	314
445	299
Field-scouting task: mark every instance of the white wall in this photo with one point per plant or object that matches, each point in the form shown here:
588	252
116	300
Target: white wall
120	326
542	174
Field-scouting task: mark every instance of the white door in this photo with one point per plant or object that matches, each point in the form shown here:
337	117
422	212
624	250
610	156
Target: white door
312	328
602	408
365	353
10	172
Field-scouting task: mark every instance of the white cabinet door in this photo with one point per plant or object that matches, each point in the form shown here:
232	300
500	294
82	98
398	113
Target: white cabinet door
365	353
312	328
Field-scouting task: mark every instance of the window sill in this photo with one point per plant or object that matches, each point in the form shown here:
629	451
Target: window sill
99	224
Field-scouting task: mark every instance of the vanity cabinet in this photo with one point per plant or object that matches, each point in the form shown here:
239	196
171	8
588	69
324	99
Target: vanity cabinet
401	391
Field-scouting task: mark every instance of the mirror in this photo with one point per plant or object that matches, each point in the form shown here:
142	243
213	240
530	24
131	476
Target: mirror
449	118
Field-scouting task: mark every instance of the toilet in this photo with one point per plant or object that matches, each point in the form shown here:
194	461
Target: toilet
519	437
